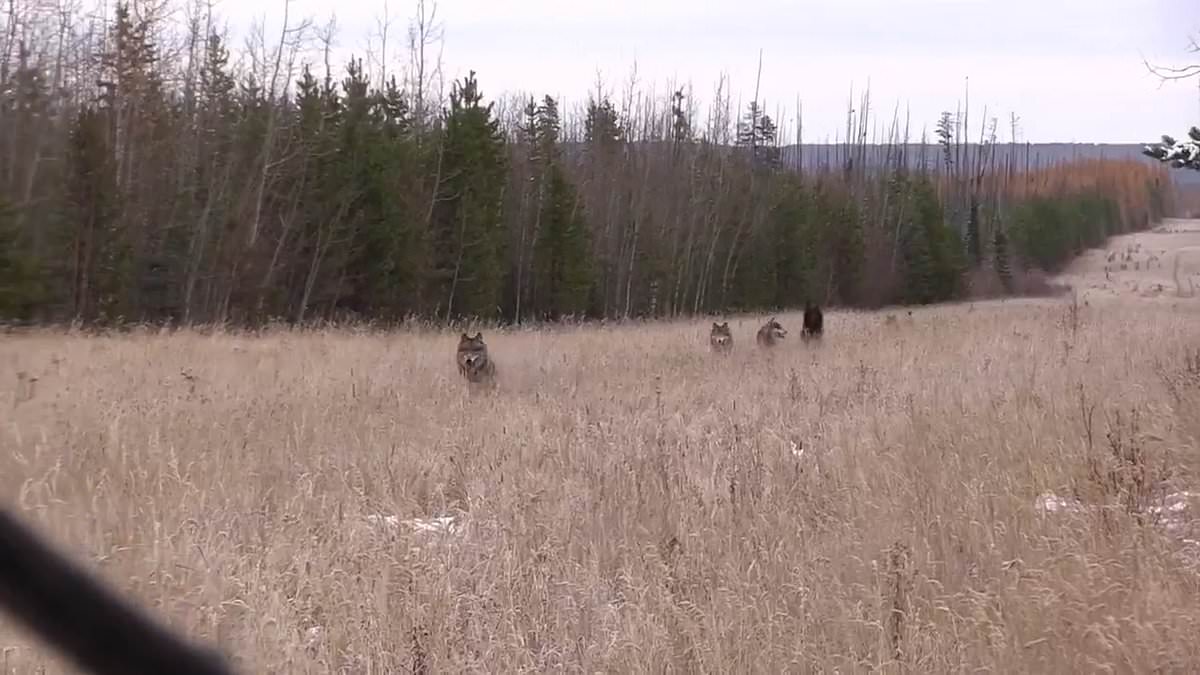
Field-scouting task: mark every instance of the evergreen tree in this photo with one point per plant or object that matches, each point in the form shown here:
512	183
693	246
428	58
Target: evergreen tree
849	252
1179	154
142	134
387	253
562	271
563	266
468	237
932	249
974	241
602	125
547	130
20	282
101	252
681	124
1003	266
791	265
757	132
945	134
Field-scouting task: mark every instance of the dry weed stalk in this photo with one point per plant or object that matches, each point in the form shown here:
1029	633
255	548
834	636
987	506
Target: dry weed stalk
899	590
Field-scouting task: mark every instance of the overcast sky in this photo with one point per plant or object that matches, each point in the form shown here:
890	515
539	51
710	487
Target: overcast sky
1071	70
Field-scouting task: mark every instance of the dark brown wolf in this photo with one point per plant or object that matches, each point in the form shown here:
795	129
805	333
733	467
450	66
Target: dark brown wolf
770	333
721	338
474	362
814	322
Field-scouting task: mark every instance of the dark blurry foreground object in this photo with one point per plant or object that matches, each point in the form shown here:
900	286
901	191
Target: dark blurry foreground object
97	630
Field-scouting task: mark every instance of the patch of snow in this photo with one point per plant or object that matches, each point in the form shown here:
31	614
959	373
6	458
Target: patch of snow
1174	502
1173	513
446	524
1183	151
1048	502
440	524
1173	516
390	522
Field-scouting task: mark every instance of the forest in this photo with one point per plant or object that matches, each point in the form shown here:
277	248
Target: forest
152	173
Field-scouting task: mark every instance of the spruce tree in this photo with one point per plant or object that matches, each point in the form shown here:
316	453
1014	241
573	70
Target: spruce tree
20	283
602	125
387	253
1003	266
757	132
933	251
789	277
562	273
681	124
468	236
1179	154
563	267
945	134
100	249
849	252
974	241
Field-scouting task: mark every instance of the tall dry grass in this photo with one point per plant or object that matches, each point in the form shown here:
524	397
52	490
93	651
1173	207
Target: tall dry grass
628	502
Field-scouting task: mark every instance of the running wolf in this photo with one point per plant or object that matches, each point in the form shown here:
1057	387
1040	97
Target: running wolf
770	333
474	362
721	338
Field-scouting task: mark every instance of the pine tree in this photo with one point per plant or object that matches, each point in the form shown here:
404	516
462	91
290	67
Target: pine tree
386	254
788	279
468	237
602	126
563	265
945	133
20	283
1179	154
547	130
681	124
933	251
100	250
562	274
974	241
1003	267
528	126
757	132
142	133
849	252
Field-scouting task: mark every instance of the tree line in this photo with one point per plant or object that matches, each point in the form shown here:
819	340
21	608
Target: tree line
141	183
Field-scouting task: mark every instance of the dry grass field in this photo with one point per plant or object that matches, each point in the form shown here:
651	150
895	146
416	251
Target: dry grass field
988	487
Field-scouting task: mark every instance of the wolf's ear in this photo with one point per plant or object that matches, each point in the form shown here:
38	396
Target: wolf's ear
478	336
465	338
716	325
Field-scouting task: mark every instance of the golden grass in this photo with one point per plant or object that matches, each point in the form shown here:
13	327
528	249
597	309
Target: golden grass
1125	181
628	501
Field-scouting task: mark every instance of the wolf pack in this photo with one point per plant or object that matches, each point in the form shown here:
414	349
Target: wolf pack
475	364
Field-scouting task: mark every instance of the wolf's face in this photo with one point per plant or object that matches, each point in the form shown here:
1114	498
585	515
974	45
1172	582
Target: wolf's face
473	360
771	332
721	338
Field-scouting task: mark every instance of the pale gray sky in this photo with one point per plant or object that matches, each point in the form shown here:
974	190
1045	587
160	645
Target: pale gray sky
1070	69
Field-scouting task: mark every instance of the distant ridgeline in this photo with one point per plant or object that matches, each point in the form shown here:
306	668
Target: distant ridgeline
815	156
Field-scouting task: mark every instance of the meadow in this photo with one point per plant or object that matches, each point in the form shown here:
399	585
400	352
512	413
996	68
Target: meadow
999	486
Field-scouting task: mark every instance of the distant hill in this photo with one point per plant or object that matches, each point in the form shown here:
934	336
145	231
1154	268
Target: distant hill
815	155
